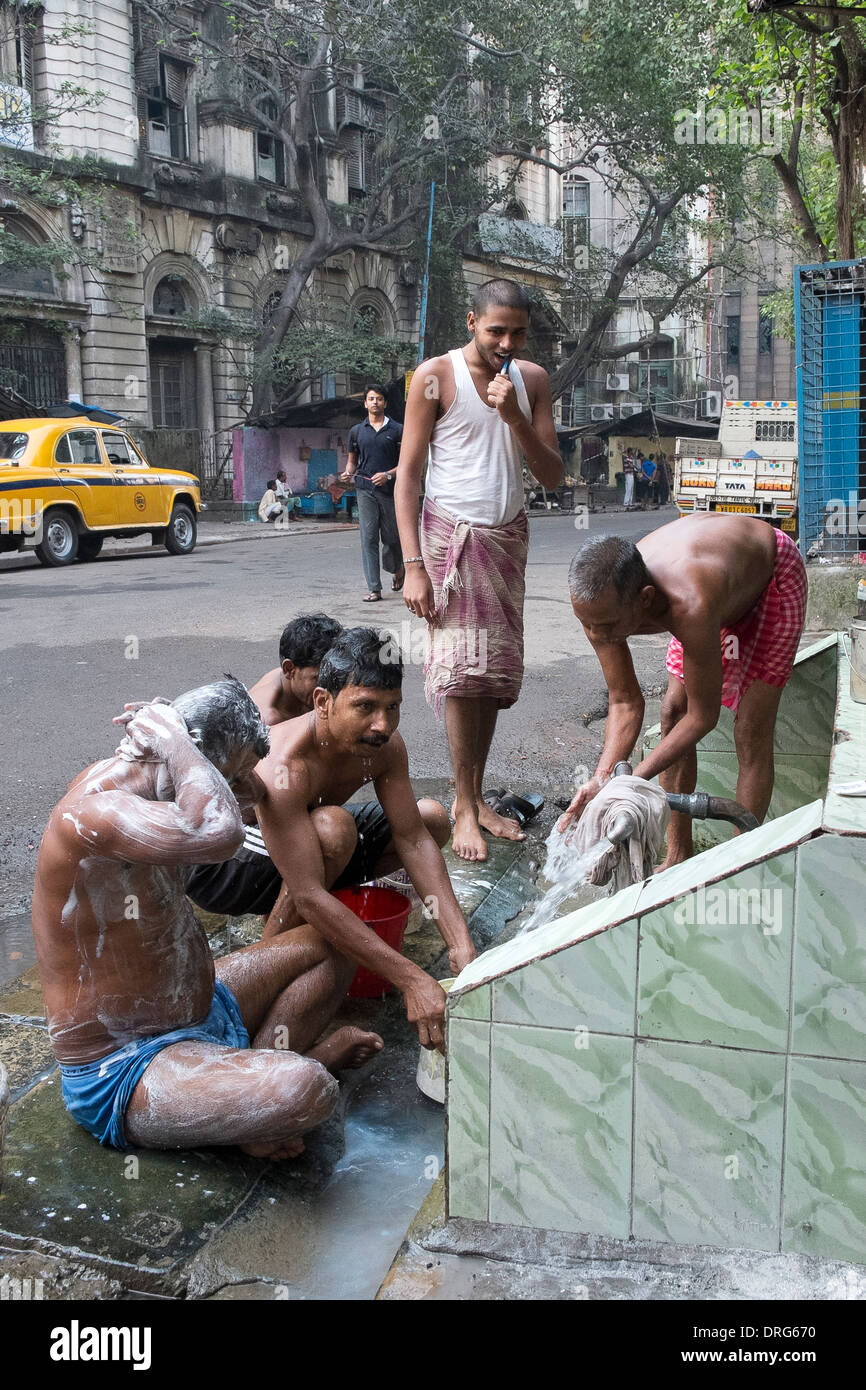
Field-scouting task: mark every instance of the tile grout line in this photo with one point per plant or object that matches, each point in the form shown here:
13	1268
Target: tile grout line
787	1081
489	1103
634	1084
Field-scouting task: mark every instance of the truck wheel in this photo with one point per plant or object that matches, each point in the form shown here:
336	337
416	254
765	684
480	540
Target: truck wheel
180	535
89	547
59	544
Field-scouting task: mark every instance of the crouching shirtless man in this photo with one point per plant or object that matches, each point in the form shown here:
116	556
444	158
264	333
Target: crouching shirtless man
314	843
155	1049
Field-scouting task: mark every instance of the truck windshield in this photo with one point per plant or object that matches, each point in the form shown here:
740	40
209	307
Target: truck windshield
12	446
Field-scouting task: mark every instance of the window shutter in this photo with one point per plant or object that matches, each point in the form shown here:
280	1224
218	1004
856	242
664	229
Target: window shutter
147	54
354	144
175	78
26	35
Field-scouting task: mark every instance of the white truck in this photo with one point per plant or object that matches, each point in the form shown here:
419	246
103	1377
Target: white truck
751	467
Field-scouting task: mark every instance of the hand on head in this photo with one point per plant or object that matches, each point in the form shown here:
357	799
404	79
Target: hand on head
151	728
130	710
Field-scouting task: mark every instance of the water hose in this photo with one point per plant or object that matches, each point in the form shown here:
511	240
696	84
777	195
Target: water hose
697	805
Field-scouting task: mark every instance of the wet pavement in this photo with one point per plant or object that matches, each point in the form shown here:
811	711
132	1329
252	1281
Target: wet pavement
214	1223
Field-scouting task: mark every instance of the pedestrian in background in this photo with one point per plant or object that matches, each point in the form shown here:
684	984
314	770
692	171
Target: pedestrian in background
628	474
664	477
284	493
374	448
269	507
647	480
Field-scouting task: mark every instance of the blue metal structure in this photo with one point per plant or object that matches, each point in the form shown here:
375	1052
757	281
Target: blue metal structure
830	322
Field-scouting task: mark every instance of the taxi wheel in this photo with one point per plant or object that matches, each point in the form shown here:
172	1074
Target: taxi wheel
59	544
89	547
180	534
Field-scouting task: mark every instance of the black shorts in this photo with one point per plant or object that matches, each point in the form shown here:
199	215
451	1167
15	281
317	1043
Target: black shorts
250	882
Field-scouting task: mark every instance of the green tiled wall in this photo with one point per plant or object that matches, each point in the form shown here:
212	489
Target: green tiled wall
708	1145
844	813
660	1078
802	745
569	1169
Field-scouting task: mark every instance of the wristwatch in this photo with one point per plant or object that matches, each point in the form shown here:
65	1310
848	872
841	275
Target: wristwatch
390	477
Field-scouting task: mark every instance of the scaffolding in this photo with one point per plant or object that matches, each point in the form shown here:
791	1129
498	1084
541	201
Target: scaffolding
830	318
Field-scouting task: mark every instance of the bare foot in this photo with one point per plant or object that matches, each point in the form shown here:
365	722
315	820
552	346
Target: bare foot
348	1047
467	841
501	826
278	1149
673	857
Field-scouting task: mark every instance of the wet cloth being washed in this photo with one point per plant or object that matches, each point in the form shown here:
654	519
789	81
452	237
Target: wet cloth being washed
478	577
97	1093
635	859
762	646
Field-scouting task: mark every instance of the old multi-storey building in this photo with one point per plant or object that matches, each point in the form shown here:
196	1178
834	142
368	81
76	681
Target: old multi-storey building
193	229
671	374
183	253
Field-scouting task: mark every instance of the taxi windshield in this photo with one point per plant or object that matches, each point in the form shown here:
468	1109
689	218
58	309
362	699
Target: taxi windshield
12	446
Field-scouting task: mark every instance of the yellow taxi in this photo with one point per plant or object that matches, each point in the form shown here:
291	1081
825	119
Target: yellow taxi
69	483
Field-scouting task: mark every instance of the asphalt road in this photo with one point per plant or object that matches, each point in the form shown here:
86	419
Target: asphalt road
77	643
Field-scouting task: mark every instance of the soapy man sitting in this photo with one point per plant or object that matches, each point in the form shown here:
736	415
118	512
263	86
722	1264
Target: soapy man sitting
157	1048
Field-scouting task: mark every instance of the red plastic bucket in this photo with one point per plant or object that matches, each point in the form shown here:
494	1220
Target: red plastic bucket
387	912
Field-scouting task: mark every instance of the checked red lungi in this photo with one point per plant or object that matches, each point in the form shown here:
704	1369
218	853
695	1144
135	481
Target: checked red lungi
478	575
767	638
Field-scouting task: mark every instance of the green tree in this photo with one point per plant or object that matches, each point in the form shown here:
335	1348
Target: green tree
406	104
809	61
627	79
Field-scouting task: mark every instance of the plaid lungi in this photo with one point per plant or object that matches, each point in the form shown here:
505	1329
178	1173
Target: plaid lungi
478	575
762	646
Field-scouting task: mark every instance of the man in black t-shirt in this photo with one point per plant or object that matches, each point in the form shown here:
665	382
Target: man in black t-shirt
374	448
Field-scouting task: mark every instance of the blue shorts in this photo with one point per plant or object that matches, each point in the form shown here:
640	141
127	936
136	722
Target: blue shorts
97	1094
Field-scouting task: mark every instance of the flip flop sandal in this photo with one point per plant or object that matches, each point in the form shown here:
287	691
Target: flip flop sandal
520	808
492	799
372	598
397	587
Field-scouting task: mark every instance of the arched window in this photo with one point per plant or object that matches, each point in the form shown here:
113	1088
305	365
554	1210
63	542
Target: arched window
32	361
372	320
169	299
16	269
368	319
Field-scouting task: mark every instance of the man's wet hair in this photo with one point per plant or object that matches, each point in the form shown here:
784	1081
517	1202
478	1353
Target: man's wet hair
376	386
607	562
500	294
306	638
222	719
361	656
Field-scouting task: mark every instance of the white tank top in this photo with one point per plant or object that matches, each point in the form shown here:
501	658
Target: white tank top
476	464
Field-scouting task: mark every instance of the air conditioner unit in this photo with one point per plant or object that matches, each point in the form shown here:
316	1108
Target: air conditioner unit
711	404
629	408
601	412
354	108
617	381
